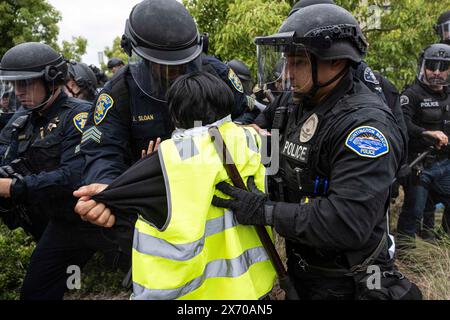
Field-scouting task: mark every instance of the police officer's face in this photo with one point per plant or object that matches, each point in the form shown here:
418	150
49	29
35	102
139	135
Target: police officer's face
31	93
5	103
299	72
437	71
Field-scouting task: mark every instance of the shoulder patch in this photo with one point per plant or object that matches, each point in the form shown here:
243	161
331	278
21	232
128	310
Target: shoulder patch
404	100
80	120
369	76
367	142
104	103
234	79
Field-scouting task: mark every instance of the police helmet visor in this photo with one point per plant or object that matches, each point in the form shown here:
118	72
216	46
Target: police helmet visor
12	75
444	31
435	72
155	79
30	93
7	98
284	66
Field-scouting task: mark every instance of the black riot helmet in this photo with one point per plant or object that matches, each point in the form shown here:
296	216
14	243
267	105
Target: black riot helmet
30	65
115	62
306	3
324	32
434	65
163	43
442	27
85	80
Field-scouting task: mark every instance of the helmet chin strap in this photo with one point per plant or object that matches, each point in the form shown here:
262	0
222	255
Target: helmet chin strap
307	97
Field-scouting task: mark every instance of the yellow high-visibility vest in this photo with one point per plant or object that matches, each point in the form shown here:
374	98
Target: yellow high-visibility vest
202	252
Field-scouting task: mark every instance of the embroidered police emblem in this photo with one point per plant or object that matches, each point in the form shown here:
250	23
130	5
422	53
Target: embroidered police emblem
404	100
309	128
367	142
104	103
235	81
80	120
369	76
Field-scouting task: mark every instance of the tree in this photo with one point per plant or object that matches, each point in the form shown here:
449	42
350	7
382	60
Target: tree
396	30
27	20
115	51
397	33
75	49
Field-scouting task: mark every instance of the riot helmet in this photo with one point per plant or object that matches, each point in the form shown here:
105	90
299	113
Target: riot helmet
35	71
442	27
434	65
306	3
82	82
243	73
115	62
163	43
323	32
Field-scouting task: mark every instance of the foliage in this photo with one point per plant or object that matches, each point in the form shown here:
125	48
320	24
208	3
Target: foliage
396	32
15	252
27	20
115	51
75	49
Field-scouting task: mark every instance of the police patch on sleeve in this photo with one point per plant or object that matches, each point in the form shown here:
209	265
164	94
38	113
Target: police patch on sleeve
80	120
367	142
237	84
404	100
104	103
369	76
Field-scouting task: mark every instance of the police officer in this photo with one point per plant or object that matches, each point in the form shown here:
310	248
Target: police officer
442	27
340	150
426	106
82	82
44	136
8	104
102	78
114	65
131	111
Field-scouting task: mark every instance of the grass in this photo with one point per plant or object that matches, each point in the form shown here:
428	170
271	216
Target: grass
427	265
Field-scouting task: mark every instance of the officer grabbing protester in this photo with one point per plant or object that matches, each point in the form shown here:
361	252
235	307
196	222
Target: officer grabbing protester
340	149
131	111
426	106
41	166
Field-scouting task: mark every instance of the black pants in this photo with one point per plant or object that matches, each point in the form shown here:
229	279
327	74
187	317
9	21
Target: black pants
316	287
62	245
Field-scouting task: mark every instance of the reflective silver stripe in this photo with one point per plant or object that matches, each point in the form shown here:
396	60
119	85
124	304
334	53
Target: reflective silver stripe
186	148
215	269
146	244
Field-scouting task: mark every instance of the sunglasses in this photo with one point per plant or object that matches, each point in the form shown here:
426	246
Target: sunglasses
437	65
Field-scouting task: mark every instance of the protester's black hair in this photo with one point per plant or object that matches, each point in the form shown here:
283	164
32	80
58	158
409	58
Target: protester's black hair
199	96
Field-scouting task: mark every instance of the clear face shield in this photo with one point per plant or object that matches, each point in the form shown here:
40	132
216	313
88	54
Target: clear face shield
284	68
444	31
30	94
155	79
435	72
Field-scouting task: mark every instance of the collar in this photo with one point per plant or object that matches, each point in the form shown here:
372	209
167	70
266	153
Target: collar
52	111
182	133
436	94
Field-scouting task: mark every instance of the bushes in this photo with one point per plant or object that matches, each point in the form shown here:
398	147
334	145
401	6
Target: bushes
15	252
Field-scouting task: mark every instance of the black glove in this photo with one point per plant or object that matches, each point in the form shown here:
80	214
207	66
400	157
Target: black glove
250	207
6	172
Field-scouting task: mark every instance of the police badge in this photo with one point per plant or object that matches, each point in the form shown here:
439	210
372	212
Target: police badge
309	128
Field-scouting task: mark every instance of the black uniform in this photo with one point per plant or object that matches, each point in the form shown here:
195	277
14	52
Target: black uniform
344	218
125	120
50	145
424	110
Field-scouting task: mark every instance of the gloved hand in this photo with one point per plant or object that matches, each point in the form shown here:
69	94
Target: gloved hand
6	172
250	207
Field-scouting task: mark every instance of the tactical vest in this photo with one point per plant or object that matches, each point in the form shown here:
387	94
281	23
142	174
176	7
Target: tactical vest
433	112
202	252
